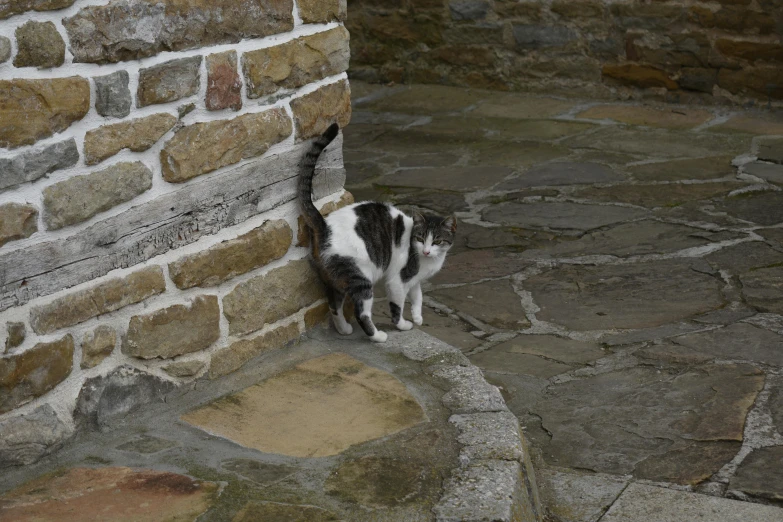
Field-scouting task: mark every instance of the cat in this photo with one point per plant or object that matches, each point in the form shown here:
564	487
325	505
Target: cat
358	245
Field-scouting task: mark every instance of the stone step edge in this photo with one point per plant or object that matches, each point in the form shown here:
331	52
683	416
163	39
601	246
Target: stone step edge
495	480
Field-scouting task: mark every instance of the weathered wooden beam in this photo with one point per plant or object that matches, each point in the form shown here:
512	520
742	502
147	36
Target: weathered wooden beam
200	207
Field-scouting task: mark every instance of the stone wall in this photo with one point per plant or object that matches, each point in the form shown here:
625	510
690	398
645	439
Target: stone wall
725	51
148	163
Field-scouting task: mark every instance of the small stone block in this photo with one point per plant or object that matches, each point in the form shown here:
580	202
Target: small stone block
79	198
32	373
203	147
36	163
5	49
224	87
137	135
97	345
26	438
322	11
469	392
36	109
315	316
314	112
232	357
102	298
112	95
173	331
489	436
17	222
169	81
184	368
488	490
39	45
231	258
16	334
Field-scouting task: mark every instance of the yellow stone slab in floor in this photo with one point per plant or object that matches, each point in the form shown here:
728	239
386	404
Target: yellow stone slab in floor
317	409
520	106
668	118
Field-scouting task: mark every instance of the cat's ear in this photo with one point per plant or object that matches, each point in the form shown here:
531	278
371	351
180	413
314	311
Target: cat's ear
450	223
418	218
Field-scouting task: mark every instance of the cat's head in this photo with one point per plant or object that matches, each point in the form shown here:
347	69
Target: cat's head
432	236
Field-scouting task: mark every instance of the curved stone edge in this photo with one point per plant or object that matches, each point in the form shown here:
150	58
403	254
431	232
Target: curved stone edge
495	480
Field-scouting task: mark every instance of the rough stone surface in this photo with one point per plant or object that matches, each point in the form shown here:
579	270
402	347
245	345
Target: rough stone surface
79	198
232	357
20	6
121	29
472	300
699	169
39	45
17	222
105	297
578	497
173	331
319	11
289	414
314	112
565	216
649	116
224	86
715	399
184	368
114	493
270	297
771	149
743	258
26	438
315	316
462	179
484	491
737	342
32	373
97	345
487	436
768	171
147	445
34	164
466	267
562	173
276	511
204	147
36	109
137	135
376	482
655	196
112	95
627	296
765	208
296	63
107	399
761	474
258	472
469	392
231	258
762	288
169	81
654	504
5	49
16	334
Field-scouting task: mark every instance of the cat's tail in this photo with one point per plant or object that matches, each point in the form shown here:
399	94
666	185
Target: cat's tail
312	217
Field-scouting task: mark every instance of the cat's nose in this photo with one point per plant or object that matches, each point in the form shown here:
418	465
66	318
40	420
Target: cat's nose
426	252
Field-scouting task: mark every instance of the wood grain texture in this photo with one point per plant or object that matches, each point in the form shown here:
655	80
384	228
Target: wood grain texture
199	208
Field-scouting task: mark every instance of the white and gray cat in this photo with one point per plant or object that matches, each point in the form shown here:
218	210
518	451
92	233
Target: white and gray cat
358	245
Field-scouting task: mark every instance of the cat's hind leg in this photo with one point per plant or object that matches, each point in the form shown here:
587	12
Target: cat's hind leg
362	301
336	301
396	292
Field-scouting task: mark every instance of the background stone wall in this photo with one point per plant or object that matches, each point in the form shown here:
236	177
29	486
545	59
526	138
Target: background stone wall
726	51
148	163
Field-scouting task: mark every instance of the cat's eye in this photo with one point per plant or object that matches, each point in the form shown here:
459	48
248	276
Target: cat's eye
437	242
419	239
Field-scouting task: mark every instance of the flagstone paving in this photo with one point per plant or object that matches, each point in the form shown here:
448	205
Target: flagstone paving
619	269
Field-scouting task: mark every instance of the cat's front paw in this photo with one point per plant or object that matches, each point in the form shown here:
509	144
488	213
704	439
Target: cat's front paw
343	327
404	325
379	337
417	319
